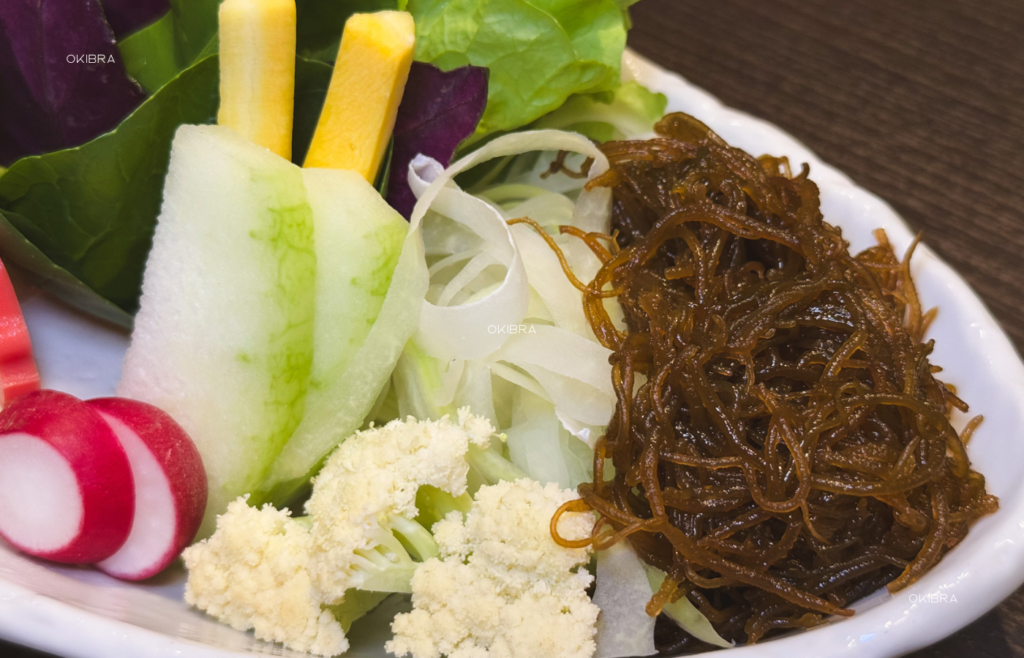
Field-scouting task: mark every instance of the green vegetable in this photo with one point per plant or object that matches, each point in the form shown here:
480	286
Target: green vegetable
195	27
359	239
539	52
625	113
628	112
625	5
356	604
345	401
87	214
185	35
17	250
541	446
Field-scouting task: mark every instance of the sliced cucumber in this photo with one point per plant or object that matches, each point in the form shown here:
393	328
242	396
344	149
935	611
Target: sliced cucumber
358	240
223	340
371	281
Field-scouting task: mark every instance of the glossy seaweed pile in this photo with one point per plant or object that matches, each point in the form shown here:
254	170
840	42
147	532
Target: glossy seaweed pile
781	445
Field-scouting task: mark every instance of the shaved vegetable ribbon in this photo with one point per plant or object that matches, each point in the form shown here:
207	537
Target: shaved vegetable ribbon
498	304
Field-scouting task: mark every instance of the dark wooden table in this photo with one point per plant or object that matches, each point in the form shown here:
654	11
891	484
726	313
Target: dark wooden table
919	101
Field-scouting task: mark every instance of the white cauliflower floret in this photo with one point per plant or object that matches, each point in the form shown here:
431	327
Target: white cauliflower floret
263	570
502	587
253	573
367	491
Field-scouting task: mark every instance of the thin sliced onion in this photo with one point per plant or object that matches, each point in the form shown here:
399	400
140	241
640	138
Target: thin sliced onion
473	330
488	279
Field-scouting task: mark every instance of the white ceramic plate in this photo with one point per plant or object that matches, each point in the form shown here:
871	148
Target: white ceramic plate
82	614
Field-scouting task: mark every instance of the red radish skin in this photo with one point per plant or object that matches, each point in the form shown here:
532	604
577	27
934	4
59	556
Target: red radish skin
66	490
18	373
170	487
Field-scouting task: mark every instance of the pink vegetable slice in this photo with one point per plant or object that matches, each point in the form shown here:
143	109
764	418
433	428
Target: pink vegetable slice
170	487
18	373
66	489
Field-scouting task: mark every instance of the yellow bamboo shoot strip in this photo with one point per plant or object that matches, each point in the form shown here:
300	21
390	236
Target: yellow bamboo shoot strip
257	71
366	88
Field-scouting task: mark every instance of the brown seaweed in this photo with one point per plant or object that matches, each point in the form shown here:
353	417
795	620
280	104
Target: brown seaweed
781	445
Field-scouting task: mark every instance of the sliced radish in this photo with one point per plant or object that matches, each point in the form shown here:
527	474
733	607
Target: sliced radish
18	373
66	489
170	487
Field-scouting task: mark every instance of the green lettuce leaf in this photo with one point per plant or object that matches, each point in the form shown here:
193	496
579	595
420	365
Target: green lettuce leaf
626	113
195	26
18	251
539	52
625	5
82	219
185	35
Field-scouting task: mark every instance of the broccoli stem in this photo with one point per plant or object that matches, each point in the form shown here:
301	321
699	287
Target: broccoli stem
379	574
414	537
355	605
434	504
489	466
387	565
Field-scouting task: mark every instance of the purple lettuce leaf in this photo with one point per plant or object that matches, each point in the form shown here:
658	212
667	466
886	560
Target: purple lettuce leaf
61	77
127	16
439	110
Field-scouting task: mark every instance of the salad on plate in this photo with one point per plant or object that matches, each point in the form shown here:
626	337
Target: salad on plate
442	331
